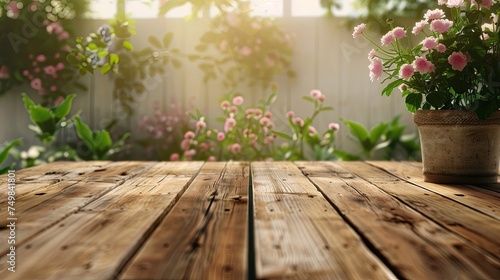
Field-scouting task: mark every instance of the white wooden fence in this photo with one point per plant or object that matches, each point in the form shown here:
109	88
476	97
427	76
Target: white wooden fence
326	57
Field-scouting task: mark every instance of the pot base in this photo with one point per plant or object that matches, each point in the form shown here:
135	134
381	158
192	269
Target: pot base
459	179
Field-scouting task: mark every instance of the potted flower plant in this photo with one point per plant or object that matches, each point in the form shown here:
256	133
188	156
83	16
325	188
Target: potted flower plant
448	69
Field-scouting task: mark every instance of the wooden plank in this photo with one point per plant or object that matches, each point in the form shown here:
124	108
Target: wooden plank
42	205
481	199
299	235
97	240
205	234
394	229
477	228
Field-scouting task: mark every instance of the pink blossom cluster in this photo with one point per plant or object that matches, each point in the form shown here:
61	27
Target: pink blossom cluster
438	25
247	133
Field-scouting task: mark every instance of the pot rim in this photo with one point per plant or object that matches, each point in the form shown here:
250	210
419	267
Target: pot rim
453	117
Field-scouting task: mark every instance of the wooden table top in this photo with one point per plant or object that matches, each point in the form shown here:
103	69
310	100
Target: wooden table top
240	220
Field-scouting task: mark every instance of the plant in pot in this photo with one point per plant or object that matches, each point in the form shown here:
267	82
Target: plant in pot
451	82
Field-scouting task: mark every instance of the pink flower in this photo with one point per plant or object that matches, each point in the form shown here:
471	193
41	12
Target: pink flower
290	114
457	60
268	114
235	148
298	121
200	125
63	36
484	3
429	43
399	32
4	72
224	105
312	131
221	136
371	54
41	58
334	126
419	26
211	158
53	88
49	70
245	51
229	124
190	153
441	48
387	39
434	14
376	69
60	66
266	122
454	3
58	100
315	93
189	135
36	84
14	10
358	30
238	100
26	73
185	144
174	157
422	65
406	71
441	25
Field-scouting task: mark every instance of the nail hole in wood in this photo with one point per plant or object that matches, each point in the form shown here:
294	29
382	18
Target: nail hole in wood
460	194
39	194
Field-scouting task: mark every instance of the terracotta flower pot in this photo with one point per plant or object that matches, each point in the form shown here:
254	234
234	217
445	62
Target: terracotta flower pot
457	147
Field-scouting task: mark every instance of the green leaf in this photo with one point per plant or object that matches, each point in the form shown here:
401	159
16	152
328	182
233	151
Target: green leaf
377	132
413	102
102	53
155	42
358	130
127	45
105	68
63	109
92	46
42	117
102	141
436	99
167	39
5	152
391	86
283	135
84	133
28	103
71	58
114	59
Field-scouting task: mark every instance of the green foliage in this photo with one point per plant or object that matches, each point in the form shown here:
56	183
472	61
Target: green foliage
47	121
34	37
99	143
249	49
304	142
385	140
4	153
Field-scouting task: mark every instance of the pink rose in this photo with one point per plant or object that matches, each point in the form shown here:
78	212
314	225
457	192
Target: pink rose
334	126
36	84
458	61
434	14
376	69
174	157
399	32
419	26
441	25
422	65
429	43
406	71
387	39
238	100
358	30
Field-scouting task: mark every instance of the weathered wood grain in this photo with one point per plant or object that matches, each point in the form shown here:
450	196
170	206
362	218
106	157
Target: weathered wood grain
96	241
41	205
412	244
299	235
480	199
205	234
